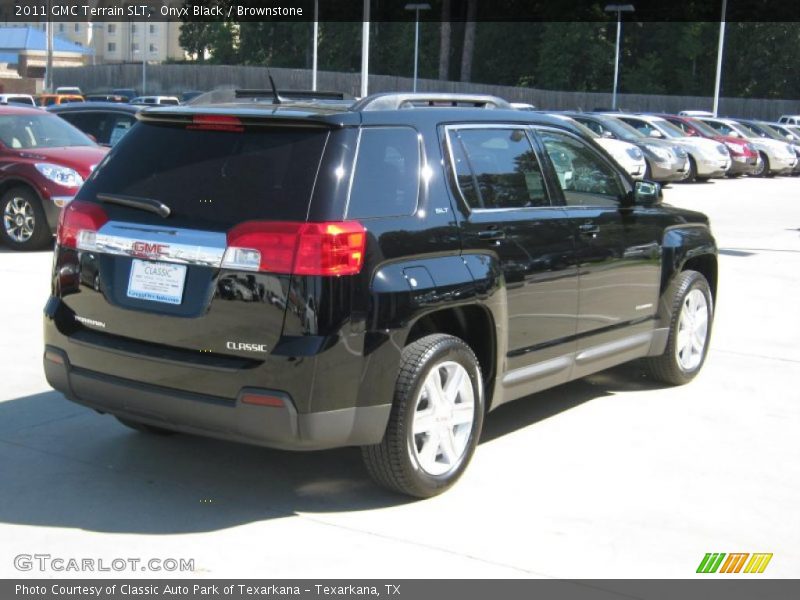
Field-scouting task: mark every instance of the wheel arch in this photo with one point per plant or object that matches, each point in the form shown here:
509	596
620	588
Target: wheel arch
473	323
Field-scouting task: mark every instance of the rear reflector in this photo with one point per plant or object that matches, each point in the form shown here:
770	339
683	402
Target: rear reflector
78	224
53	357
262	400
216	123
331	248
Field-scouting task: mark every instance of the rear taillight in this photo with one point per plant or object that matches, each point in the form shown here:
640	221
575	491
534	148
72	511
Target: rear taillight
78	225
333	248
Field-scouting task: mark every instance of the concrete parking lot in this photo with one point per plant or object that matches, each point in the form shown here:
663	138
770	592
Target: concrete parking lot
611	476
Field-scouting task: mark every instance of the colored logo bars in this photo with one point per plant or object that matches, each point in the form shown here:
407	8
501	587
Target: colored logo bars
713	562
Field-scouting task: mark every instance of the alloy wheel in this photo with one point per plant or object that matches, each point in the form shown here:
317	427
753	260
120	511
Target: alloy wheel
692	330
444	412
18	219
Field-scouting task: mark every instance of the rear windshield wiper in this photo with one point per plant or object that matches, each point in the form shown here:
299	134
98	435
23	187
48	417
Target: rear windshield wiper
161	209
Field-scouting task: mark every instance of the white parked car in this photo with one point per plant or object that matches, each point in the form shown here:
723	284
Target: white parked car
789	120
777	157
156	100
695	113
628	156
707	158
25	99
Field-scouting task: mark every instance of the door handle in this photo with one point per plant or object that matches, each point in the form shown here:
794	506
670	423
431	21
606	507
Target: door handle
589	229
492	234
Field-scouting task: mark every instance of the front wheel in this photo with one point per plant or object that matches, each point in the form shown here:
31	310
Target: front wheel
689	331
24	224
436	419
762	167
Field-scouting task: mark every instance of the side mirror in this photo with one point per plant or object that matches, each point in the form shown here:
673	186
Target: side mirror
645	193
655	133
608	134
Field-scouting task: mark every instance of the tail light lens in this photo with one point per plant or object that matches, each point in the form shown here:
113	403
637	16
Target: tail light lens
78	225
331	248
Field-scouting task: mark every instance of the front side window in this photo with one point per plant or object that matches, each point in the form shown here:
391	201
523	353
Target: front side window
497	168
39	131
585	178
387	175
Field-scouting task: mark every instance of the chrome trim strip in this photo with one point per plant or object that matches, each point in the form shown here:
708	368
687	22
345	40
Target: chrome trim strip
616	347
167	244
536	371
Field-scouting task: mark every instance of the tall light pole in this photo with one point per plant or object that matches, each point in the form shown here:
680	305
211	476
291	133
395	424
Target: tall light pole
48	69
416	8
314	53
719	57
619	9
365	50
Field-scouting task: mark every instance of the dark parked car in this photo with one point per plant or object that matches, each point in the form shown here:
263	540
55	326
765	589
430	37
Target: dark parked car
106	122
429	265
744	156
105	98
127	93
43	162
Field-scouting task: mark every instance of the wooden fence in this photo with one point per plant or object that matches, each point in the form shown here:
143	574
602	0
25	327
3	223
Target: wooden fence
173	79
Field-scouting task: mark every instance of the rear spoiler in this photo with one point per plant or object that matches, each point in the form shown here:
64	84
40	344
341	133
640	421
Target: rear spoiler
259	116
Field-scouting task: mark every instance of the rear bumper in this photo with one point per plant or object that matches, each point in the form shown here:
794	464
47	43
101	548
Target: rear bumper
231	419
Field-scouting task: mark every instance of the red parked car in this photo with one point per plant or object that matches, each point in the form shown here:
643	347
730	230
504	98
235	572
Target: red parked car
43	162
744	156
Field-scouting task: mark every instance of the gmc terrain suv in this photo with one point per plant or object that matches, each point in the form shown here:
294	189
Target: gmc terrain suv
307	275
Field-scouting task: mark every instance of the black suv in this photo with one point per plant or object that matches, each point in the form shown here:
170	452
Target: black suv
307	275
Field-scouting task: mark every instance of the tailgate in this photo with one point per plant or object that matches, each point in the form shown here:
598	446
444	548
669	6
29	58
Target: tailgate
158	281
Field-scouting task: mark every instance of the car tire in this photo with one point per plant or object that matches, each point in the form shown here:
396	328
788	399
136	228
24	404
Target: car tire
144	427
692	313
648	172
24	224
764	170
435	422
692	170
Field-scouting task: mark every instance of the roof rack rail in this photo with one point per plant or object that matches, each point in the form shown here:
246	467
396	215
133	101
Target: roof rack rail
394	101
292	94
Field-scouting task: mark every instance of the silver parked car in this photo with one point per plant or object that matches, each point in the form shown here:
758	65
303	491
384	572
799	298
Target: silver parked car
664	160
707	158
777	132
777	157
627	155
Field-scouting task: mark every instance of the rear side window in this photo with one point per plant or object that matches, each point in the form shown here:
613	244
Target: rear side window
497	168
386	179
221	178
106	127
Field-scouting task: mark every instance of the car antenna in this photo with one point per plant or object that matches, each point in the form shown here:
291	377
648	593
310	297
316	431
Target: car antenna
276	99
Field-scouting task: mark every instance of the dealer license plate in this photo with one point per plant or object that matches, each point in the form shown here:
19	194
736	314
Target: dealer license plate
157	281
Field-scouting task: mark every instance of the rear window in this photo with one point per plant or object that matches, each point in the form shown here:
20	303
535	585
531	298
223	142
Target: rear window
216	177
386	180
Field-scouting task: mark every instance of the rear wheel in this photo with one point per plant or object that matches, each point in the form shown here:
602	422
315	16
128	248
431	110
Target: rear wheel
436	419
24	224
689	331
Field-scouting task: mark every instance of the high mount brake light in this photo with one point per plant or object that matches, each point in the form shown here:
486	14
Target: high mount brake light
330	248
216	123
78	225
